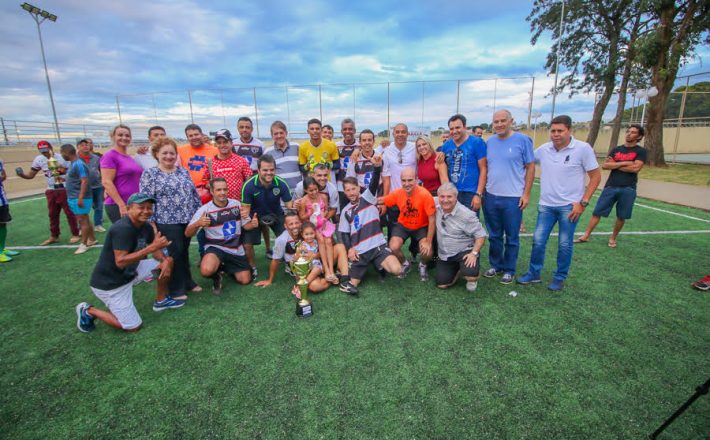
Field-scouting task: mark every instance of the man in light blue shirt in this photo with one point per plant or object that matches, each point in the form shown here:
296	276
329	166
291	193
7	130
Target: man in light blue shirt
511	171
564	162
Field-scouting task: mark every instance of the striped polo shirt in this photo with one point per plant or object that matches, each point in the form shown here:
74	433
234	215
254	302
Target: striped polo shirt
362	222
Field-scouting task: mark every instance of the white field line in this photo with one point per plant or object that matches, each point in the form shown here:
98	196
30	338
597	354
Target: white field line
655	209
703	231
14	202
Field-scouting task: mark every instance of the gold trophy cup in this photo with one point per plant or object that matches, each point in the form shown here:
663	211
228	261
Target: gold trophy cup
300	268
53	166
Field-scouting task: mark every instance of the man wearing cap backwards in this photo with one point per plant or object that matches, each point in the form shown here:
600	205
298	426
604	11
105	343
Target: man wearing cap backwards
123	264
56	193
233	168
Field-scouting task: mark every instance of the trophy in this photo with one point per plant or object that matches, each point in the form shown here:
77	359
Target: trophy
300	268
53	166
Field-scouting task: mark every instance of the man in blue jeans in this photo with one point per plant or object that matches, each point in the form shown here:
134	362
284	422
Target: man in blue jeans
511	171
563	162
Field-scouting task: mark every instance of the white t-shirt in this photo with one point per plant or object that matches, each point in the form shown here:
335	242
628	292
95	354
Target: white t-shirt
146	160
41	163
392	167
284	247
562	172
330	189
225	229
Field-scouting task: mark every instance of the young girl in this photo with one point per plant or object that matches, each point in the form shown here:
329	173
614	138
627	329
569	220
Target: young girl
313	209
308	248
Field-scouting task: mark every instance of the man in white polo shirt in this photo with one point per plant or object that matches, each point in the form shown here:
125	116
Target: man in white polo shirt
563	162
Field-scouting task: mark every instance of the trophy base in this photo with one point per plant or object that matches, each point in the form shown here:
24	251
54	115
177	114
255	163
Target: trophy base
304	309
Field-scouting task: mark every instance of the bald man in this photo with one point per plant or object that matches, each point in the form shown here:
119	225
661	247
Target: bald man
417	220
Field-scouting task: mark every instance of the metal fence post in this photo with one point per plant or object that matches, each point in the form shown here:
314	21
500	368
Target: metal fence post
17	132
189	98
224	115
288	109
118	107
495	94
681	112
530	105
320	103
4	132
422	126
256	113
155	110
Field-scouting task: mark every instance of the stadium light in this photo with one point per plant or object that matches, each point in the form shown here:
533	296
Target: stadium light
36	13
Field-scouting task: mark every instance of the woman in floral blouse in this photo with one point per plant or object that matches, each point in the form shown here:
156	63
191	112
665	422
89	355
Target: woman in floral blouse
176	202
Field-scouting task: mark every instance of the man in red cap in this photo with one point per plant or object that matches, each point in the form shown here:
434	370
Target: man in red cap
56	193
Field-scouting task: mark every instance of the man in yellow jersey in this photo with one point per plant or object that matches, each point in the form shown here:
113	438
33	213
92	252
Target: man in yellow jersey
317	150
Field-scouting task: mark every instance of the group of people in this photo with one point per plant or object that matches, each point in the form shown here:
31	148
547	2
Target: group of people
344	206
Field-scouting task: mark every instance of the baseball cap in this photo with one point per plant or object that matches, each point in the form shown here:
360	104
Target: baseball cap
223	133
140	198
43	146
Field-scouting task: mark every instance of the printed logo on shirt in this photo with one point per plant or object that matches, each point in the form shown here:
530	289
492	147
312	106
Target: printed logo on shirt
409	210
229	229
196	163
276	191
356	222
623	157
456	168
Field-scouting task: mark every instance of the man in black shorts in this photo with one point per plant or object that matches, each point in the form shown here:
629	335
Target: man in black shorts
361	233
223	220
460	238
262	195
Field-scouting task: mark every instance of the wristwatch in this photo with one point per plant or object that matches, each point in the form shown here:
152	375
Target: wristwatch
474	253
583	203
477	194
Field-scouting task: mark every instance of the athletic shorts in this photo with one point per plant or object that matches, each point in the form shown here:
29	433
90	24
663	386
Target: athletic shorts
416	234
623	196
74	206
230	262
120	300
375	256
5	216
446	271
254	236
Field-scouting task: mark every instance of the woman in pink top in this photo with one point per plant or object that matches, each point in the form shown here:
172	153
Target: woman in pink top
120	174
429	173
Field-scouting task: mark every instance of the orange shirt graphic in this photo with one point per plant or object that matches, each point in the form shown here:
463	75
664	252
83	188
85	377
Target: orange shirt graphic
194	160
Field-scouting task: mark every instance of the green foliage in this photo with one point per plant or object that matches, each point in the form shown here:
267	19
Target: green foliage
696	105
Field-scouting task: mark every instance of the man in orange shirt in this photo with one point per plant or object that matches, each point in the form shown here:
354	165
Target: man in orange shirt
417	220
194	156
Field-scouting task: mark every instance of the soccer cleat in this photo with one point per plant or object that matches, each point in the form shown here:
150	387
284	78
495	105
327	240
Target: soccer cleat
701	285
74	239
99	228
507	278
167	303
254	273
217	283
10	253
528	278
406	267
471	286
81	249
348	288
4	258
556	285
84	321
490	273
423	275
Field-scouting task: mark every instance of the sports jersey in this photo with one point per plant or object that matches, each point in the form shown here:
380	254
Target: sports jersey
344	151
225	229
194	160
284	247
414	209
251	150
362	222
326	152
362	169
40	163
235	170
265	201
3	196
462	162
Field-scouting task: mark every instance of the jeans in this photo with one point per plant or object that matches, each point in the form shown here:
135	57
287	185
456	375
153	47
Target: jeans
503	216
466	198
547	216
97	194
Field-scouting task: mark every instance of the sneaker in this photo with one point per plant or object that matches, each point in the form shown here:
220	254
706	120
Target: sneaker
423	274
84	321
507	278
269	254
289	271
81	249
167	303
701	285
99	228
217	283
528	278
4	258
471	286
406	267
490	273
556	285
74	239
348	288
254	273
10	253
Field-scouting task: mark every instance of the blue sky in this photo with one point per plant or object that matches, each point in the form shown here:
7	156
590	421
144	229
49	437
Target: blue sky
97	50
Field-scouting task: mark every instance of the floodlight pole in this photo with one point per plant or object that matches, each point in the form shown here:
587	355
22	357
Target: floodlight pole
557	59
35	17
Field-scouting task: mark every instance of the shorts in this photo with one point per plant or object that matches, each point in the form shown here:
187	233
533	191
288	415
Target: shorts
623	196
446	270
120	300
375	256
5	216
231	263
74	206
254	236
404	233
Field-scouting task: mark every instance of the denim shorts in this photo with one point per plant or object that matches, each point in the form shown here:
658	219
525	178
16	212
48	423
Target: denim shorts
623	196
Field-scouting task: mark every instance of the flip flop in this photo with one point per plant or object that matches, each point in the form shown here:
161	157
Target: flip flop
579	240
612	244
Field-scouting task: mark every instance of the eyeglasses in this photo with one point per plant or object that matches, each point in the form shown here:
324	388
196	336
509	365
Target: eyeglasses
400	158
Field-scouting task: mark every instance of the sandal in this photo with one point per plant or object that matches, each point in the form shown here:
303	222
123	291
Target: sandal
612	244
579	240
196	289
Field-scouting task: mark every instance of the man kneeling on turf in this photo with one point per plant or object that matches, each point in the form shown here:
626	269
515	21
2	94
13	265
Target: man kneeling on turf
222	221
285	250
460	238
122	265
361	233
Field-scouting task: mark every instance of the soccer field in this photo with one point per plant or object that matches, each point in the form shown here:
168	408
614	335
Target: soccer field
611	356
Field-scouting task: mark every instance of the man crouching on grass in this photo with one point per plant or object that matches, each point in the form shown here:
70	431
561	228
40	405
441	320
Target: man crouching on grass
122	265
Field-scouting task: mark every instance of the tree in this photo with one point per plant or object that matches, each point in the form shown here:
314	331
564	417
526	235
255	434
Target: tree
591	49
679	28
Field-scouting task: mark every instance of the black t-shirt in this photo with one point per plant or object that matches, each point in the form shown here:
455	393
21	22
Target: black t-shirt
123	236
623	153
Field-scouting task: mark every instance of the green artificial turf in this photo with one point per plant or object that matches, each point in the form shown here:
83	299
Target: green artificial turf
611	356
